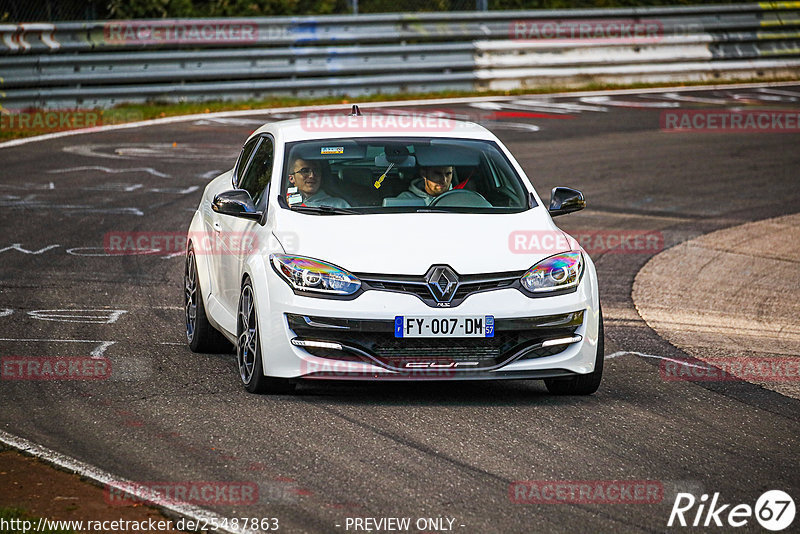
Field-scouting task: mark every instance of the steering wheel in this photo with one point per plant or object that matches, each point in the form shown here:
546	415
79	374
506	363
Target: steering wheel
460	198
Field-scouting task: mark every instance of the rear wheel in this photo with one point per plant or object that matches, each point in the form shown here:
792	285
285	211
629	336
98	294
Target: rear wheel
582	384
248	349
201	336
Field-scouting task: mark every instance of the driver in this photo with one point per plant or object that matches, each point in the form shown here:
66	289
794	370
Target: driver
434	182
306	177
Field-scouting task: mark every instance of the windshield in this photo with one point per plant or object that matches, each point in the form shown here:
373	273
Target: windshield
398	175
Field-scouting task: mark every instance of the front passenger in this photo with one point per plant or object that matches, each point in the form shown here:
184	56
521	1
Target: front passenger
306	176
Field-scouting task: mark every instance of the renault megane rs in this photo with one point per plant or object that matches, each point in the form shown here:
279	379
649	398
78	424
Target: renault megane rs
365	249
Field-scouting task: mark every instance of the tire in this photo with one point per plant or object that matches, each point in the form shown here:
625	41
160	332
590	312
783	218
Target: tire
248	348
582	384
201	336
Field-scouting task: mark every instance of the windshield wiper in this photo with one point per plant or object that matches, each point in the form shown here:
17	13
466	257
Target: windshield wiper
325	210
433	210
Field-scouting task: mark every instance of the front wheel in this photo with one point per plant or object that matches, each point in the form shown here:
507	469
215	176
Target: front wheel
582	384
248	349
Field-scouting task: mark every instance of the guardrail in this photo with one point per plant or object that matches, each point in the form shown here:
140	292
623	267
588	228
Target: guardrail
100	64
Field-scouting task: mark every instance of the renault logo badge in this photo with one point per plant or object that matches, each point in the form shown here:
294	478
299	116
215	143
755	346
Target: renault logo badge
442	281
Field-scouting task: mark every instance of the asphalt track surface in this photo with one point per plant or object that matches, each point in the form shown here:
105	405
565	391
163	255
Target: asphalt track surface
338	450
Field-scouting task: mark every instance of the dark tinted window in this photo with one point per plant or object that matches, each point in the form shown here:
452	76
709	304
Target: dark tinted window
258	173
241	163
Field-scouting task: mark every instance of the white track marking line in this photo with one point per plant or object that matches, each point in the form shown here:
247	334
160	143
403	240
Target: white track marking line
101	348
18	248
102	316
5	312
521	126
694	99
104	254
108	480
777	92
112	171
566	106
775	98
643	355
127	188
371	105
607	101
760	97
223	120
176	190
28	204
495	106
96	352
488	105
28	187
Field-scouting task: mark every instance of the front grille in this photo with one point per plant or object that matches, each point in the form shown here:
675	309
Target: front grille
454	349
419	289
426	351
374	342
417	286
468	288
541	352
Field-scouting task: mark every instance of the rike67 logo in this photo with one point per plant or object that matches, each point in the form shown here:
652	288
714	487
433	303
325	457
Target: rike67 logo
774	510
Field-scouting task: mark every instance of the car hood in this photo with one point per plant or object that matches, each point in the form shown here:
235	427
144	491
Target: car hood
409	243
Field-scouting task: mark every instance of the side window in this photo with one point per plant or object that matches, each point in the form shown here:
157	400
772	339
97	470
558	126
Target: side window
241	163
257	176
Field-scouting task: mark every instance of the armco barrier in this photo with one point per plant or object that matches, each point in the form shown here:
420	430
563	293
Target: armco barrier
103	63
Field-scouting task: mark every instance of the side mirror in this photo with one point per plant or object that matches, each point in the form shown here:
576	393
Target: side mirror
237	203
565	200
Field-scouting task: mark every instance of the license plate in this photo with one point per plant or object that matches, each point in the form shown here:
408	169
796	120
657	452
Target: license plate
475	326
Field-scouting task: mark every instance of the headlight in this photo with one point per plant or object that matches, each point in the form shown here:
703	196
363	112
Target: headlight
308	274
561	271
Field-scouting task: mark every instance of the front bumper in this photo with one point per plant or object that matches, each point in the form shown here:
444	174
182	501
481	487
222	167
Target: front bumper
355	340
373	342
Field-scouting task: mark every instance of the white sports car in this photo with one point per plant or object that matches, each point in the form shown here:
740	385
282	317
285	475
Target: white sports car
367	247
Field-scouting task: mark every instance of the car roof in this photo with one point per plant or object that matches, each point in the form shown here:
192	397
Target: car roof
340	125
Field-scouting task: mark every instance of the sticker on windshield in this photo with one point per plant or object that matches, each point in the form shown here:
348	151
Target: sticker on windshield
295	199
326	150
